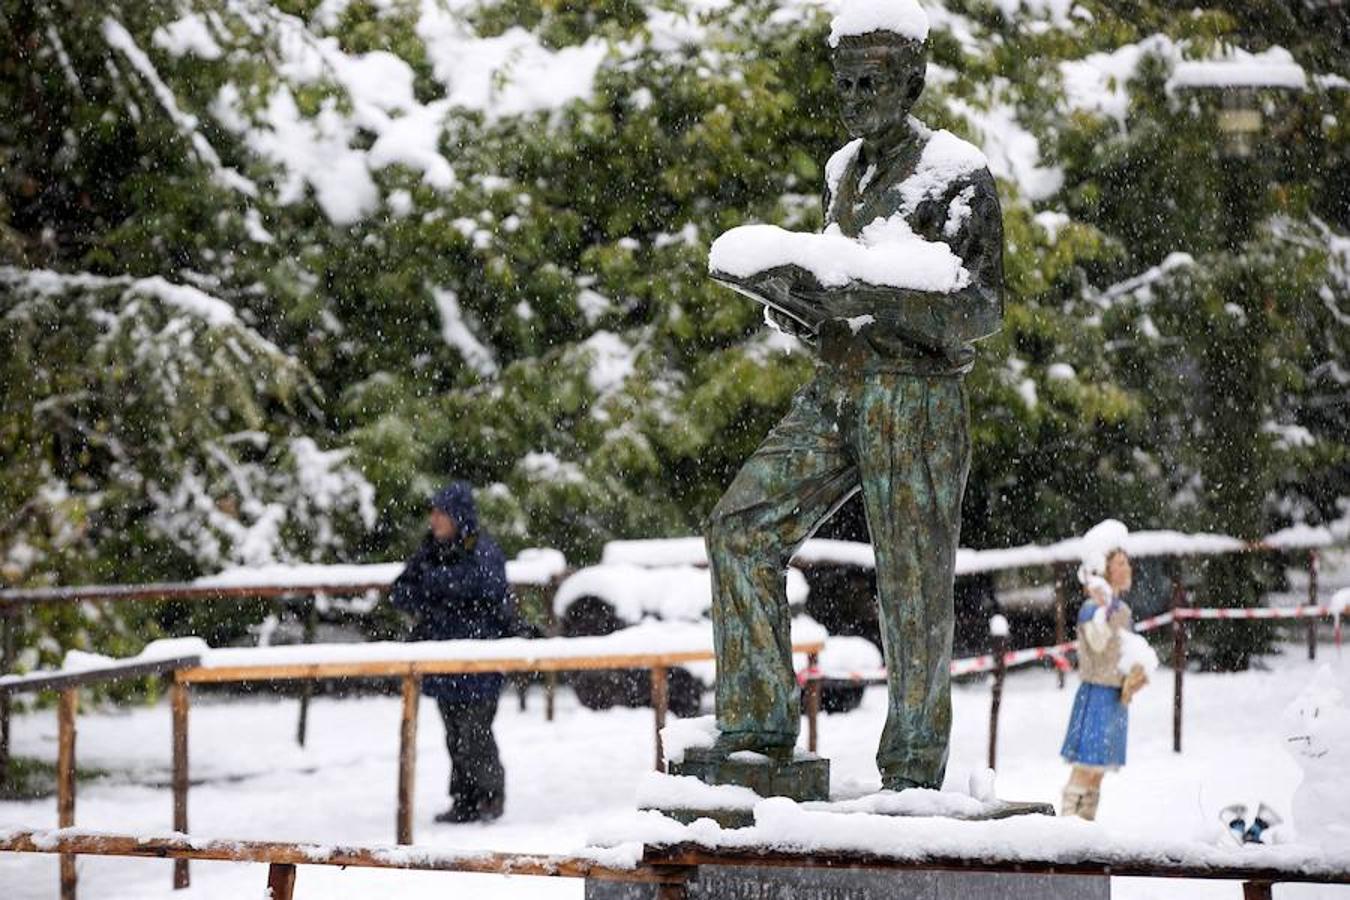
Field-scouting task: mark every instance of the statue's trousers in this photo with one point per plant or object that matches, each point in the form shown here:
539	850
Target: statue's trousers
903	440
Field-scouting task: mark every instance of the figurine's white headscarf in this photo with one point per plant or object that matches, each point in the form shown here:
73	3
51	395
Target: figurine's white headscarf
1099	543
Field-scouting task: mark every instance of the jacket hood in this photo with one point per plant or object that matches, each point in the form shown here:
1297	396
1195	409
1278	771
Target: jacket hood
456	500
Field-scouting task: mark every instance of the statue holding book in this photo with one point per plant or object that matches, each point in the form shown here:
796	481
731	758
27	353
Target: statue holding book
891	297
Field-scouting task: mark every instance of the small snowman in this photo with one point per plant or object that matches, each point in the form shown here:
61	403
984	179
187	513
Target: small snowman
1317	731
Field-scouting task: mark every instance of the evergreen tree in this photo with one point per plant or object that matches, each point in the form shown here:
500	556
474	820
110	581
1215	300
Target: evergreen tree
470	240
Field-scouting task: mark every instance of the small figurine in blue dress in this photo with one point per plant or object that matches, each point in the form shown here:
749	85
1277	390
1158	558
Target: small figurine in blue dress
1099	723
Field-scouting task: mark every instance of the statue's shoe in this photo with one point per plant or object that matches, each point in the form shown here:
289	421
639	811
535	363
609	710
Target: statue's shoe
901	783
778	747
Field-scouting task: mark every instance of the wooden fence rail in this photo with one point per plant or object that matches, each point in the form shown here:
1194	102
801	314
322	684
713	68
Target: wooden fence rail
670	867
411	672
1257	878
186	671
282	858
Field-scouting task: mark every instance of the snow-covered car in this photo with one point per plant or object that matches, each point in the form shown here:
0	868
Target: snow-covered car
668	580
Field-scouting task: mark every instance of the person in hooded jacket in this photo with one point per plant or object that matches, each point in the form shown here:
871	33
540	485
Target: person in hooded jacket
455	587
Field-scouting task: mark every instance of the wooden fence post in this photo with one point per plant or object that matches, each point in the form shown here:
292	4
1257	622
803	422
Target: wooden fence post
672	890
1178	656
178	701
1063	572
1312	601
65	780
280	881
660	699
1256	890
407	758
813	689
307	686
8	626
998	631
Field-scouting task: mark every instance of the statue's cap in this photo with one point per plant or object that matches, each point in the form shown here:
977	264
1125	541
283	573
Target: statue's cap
879	19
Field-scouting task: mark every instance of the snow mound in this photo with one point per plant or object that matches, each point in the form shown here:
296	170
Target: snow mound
681	734
165	648
848	656
911	802
1274	68
981	785
677	592
858	17
661	791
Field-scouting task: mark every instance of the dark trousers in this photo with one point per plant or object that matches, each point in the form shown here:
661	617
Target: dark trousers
903	440
477	779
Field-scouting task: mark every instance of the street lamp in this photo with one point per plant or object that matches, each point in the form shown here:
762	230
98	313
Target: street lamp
1235	84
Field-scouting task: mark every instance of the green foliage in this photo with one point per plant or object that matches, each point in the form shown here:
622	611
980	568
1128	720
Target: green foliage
542	324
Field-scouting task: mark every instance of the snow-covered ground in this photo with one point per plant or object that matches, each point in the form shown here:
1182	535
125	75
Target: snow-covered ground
577	776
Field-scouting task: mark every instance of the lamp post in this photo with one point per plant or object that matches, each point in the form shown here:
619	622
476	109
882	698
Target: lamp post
1242	97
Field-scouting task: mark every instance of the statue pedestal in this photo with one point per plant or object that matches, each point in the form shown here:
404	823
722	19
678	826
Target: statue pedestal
811	883
803	778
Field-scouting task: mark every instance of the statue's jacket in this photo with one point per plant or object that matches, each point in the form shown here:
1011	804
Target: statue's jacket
939	183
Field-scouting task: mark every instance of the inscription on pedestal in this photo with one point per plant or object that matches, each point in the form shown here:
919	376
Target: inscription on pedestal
751	883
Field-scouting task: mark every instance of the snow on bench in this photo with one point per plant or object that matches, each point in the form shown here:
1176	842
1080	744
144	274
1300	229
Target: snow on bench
534	566
818	551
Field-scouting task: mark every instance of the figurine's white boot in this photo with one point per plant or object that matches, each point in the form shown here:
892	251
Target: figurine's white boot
1080	801
1073	800
1087	807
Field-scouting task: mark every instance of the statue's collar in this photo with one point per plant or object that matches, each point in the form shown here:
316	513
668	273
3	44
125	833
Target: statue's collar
888	154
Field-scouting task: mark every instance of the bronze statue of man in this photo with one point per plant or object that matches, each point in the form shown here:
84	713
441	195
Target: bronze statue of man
886	414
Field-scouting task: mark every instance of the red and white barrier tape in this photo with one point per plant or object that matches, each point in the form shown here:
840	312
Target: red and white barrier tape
1058	653
1154	622
1261	612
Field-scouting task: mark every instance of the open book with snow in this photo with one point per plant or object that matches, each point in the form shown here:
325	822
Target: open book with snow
783	269
780	290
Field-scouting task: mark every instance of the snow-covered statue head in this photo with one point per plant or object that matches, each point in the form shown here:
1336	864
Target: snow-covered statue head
880	61
1317	734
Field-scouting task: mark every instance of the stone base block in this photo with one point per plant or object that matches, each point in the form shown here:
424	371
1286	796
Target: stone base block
774	883
802	778
1006	809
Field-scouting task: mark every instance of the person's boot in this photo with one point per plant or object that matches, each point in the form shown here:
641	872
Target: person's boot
1088	807
491	808
898	783
458	814
1072	804
464	805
